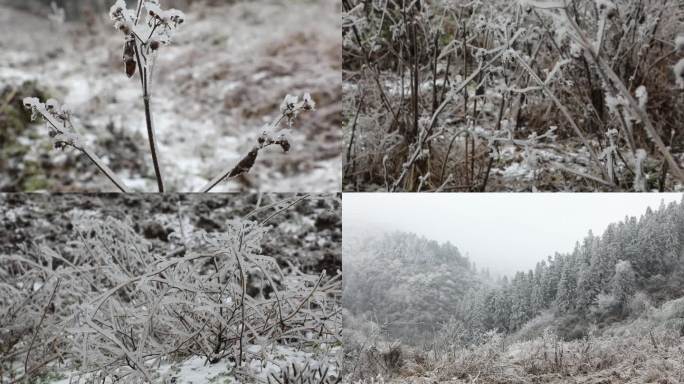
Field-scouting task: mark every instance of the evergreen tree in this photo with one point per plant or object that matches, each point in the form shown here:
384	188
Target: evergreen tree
623	283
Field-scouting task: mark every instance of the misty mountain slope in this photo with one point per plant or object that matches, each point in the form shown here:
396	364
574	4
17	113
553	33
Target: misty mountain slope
610	311
408	283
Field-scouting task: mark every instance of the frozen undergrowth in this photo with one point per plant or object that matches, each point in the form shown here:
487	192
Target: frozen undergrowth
648	349
435	91
215	87
152	287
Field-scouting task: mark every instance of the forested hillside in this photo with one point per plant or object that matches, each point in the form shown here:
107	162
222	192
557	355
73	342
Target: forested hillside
605	277
408	283
417	308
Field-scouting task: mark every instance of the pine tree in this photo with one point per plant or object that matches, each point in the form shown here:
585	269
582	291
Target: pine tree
624	282
566	300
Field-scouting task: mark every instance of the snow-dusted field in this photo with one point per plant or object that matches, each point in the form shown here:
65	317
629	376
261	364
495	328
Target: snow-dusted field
216	85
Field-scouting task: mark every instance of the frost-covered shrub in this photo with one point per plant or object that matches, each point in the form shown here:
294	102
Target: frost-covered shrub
110	304
303	375
607	307
639	304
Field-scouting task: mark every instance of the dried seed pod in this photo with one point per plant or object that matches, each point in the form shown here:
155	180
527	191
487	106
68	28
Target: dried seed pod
245	164
130	65
129	49
284	144
154	45
128	58
52	105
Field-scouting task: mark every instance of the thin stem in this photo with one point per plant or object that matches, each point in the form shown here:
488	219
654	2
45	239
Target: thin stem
154	150
243	286
244	165
153	143
91	155
40	323
106	170
138	11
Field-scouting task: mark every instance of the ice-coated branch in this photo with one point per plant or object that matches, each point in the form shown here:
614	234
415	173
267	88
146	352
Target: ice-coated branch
289	109
61	131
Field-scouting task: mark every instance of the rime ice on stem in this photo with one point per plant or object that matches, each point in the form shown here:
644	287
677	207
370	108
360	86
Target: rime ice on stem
63	134
289	110
140	46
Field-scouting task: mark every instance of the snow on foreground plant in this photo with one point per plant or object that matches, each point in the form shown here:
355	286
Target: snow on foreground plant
145	33
114	310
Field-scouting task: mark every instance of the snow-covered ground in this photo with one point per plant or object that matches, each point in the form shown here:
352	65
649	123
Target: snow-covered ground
196	370
219	82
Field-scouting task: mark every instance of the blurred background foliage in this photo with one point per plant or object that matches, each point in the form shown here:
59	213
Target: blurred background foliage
82	10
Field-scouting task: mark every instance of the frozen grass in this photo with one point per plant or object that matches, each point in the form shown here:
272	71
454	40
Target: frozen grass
647	349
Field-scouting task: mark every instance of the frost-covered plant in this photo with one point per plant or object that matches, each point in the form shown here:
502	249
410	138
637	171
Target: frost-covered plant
146	29
292	374
679	43
488	76
113	307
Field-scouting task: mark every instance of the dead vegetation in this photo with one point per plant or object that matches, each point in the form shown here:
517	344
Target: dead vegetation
513	96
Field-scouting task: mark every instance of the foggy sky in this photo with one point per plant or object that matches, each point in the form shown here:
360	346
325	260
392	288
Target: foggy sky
504	232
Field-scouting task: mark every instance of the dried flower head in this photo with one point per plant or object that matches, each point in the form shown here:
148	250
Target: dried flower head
309	104
679	43
679	73
30	102
288	106
291	106
606	8
170	18
116	12
642	95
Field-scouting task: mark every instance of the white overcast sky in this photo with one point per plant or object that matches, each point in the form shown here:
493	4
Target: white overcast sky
505	232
